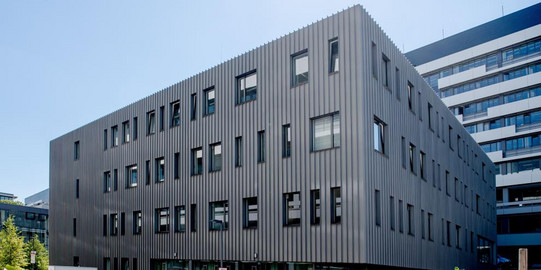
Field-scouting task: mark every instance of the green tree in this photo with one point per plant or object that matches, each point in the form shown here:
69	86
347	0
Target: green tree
11	202
11	246
42	256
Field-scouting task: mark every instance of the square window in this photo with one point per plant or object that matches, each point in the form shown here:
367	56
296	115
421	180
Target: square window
161	218
334	60
210	103
175	114
197	161
379	136
126	132
215	159
218	215
151	122
247	87
250	212
326	132
292	208
160	169
299	68
315	207
131	176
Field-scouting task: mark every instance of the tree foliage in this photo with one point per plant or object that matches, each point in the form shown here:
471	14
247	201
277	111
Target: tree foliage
12	202
11	246
42	256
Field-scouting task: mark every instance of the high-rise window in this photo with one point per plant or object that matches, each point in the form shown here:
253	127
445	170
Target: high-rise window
391	213
336	205
215	157
160	169
430	227
114	224
411	229
250	212
430	117
131	176
412	157
122	223
161	219
448	233
261	146
162	117
457	190
299	68
334	60
403	151
218	215
286	140
76	150
379	135
134	129
193	217
105	139
210	101
385	70
107	182
176	166
449	138
151	122
447	184
315	207
326	132
137	222
74	227
422	165
114	136
115	179
422	224
247	87
147	172
374	61
410	96
397	83
175	113
104	225
193	107
401	216
77	188
126	132
180	218
377	207
197	161
292	208
457	236
238	151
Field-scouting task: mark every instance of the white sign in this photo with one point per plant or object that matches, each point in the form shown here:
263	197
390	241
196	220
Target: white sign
32	256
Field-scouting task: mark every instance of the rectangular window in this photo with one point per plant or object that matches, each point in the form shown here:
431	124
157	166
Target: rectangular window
115	179
106	263
176	165
77	188
449	137
76	150
162	117
379	135
315	207
334	60
374	61
430	112
215	159
400	216
410	96
420	106
238	151
250	212
247	87
397	83
122	223
106	182
326	132
147	171
292	208
447	184
151	122
477	204
197	161
115	263
114	136
105	139
286	141
412	151
391	213
411	213
134	128
434	173
137	227
180	218
218	215
422	165
114	224
299	68
403	150
124	263
126	132
161	219
430	227
439	176
377	207
457	236
74	227
193	107
438	124
261	146
104	225
209	102
174	109
458	147
131	176
193	217
457	190
483	169
159	163
336	205
134	267
385	70
448	233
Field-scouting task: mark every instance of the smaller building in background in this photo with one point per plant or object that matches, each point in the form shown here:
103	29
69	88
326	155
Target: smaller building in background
40	199
29	220
7	196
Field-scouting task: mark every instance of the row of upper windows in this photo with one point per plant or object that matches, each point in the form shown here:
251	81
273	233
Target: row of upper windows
517	120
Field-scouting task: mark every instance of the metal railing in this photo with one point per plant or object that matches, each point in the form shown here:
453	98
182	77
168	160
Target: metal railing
518	204
522	151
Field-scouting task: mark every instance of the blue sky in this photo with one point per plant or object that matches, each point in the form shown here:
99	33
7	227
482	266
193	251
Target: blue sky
66	63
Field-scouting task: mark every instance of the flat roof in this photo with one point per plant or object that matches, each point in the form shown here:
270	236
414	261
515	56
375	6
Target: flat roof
514	22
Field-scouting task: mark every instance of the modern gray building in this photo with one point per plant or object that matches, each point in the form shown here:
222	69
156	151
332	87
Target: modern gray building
490	78
40	199
29	220
323	148
7	196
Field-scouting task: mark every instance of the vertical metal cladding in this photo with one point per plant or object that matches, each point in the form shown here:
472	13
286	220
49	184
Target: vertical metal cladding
354	166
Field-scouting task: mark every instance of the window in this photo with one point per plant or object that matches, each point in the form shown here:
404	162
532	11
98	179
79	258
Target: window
126	132
261	146
412	158
458	147
160	169
114	224
105	139
197	161
377	207
315	207
162	117
176	165
374	61
457	236
161	219
131	176
299	68
180	218
403	148
336	205
77	188
292	208
104	225
147	170
286	141
410	96
449	137
247	87
385	70
422	163
115	263
401	216
106	263
151	122
125	263
193	107
175	113
477	204
115	179
326	132
114	136
193	217
122	223
250	212
137	222
106	182
457	191
209	101
434	173
238	151
391	213
430	112
448	233
397	82
215	160
334	60
422	224
134	129
76	150
411	213
379	135
74	227
430	227
420	106
447	184
134	267
218	215
76	261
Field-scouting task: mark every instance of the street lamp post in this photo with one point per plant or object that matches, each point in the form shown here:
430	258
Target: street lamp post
221	239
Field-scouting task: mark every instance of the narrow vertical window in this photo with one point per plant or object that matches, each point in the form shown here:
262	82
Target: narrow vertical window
151	122
261	146
391	213
385	70
422	163
439	176
76	150
176	166
438	124
137	222
334	60
430	112
379	136
147	172
457	190
238	151
134	129
315	207
174	109
449	137
247	87
377	207
458	147
122	223
400	216
286	141
74	227
410	96
447	184
292	208
250	212
434	173
299	68
105	139
180	218
483	169
104	225
219	215
193	107
161	219
162	117
197	161
457	236
114	224
442	232
403	150
336	205
114	136
107	182
423	224
448	233
131	176
374	61
126	132
326	132
419	106
215	157
209	101
411	213
115	179
77	189
430	227
159	164
397	83
412	158
193	217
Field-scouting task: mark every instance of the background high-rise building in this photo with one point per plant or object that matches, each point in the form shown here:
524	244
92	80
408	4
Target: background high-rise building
490	78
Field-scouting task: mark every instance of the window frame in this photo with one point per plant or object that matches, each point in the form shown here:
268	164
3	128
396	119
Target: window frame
315	207
212	215
206	101
286	140
212	166
158	218
294	77
158	166
247	223
151	123
180	212
195	161
137	222
126	132
336	205
381	132
334	137
334	66
174	114
240	91
129	176
261	145
287	209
